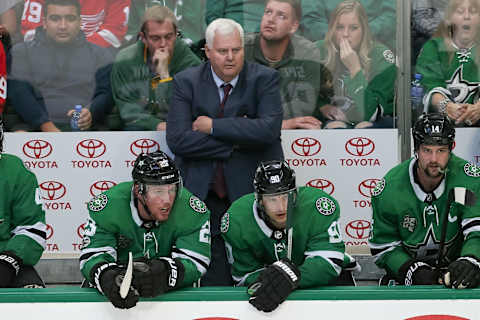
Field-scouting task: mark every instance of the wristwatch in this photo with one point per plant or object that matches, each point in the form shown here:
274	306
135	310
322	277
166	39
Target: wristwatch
442	105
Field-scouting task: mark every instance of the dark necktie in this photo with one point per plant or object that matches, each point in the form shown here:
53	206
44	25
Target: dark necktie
219	185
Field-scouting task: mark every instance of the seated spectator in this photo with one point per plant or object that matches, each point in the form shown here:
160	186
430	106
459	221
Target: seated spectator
449	64
190	16
363	72
302	77
381	15
104	22
142	73
58	70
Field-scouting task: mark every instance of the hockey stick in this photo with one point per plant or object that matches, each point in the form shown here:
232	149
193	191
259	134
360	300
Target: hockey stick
462	196
289	225
127	279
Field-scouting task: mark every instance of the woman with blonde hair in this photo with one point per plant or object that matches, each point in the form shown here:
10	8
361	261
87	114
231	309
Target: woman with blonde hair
363	72
449	64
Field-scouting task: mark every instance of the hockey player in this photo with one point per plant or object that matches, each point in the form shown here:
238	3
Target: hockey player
22	219
163	225
410	212
281	238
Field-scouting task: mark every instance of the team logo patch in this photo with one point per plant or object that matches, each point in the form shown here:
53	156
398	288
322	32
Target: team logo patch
325	206
90	228
85	241
409	223
471	170
98	203
388	55
378	188
197	205
225	223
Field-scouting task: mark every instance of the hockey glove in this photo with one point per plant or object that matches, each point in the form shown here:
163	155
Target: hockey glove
274	285
463	273
157	276
9	267
415	272
108	278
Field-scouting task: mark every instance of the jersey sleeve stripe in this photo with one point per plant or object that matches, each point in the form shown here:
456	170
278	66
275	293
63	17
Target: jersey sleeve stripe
90	253
379	250
36	232
240	281
470	225
334	258
200	261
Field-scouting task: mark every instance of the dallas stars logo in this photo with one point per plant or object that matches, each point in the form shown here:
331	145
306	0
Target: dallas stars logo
197	205
461	89
471	170
325	206
409	223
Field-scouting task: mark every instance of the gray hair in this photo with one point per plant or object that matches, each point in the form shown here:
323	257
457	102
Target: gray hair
224	27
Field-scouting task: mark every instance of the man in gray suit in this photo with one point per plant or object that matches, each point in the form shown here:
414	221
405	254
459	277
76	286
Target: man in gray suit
225	117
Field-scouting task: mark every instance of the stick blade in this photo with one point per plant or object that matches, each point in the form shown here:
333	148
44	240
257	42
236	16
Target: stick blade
127	280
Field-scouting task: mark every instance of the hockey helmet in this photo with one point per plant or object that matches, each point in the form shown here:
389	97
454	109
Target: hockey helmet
273	177
433	129
155	168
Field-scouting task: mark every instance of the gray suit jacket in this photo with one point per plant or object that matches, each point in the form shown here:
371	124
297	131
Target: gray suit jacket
248	133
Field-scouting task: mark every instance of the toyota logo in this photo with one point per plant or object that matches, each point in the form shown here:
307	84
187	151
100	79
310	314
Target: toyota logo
100	186
49	232
144	146
37	149
81	230
358	229
306	147
54	190
366	187
91	148
322	184
360	146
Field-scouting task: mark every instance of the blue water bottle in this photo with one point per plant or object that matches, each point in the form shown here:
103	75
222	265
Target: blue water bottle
416	95
75	117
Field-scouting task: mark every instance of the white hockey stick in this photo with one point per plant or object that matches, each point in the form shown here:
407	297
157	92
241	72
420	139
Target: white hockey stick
289	225
127	279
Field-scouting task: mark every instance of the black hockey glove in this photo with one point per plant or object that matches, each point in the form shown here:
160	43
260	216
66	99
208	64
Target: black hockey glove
463	273
108	278
274	285
10	265
157	276
415	272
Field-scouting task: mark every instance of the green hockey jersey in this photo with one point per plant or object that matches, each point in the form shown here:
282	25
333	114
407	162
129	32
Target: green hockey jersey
22	219
407	221
114	229
317	246
455	74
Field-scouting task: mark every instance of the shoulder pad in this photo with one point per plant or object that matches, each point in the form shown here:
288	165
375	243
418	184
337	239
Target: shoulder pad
197	205
98	203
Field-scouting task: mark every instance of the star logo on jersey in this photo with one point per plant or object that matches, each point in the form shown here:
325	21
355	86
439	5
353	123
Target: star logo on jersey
325	206
409	223
378	188
225	223
471	170
197	205
461	89
98	203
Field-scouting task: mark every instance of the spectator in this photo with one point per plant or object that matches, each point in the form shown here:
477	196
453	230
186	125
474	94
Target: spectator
104	22
449	64
58	70
426	17
190	15
142	73
8	17
282	237
381	14
302	77
419	236
249	13
163	226
363	72
218	142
